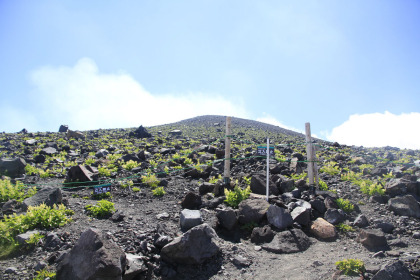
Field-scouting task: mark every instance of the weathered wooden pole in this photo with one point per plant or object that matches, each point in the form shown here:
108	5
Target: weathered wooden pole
226	176
309	154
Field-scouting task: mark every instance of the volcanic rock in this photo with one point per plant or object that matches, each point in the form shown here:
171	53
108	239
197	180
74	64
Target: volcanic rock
289	241
92	257
193	247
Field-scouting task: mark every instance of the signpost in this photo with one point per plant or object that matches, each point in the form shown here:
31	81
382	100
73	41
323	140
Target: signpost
102	189
266	151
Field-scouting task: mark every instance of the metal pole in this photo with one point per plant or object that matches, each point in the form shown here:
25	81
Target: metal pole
268	166
309	154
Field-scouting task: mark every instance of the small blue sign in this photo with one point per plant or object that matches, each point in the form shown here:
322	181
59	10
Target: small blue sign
102	189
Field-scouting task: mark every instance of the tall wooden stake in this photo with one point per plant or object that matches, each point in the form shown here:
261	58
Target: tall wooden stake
226	178
310	154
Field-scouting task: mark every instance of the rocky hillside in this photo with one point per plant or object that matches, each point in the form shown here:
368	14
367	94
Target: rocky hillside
151	203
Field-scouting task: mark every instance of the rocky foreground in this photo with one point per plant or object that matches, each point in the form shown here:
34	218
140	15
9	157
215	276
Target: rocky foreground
174	220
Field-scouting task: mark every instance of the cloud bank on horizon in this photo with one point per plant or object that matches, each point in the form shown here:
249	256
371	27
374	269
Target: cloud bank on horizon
84	98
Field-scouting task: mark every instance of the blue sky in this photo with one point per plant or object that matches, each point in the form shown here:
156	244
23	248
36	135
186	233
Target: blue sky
351	68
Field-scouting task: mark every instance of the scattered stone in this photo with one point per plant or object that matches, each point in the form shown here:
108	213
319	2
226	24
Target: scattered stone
258	185
135	266
11	270
193	247
334	216
205	188
191	201
162	240
301	215
416	234
23	237
241	261
102	153
252	210
279	217
396	270
81	173
175	132
163	215
361	221
289	241
75	134
372	238
385	227
189	219
262	235
140	132
63	128
396	187
49	196
92	257
52	241
227	218
10	207
323	229
12	167
49	151
405	206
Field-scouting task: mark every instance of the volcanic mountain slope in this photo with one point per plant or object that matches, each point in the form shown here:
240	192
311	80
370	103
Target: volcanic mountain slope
365	207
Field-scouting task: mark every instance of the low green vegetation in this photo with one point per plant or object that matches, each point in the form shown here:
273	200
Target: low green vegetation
45	274
351	266
40	217
330	168
151	180
344	228
345	205
135	189
102	209
234	197
16	191
158	191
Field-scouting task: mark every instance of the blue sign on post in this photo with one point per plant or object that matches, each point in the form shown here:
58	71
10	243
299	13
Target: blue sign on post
102	189
262	150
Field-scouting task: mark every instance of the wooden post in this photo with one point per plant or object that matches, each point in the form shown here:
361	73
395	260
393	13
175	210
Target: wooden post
226	178
309	153
314	149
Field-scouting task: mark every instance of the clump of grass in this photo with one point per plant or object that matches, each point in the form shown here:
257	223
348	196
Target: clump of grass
330	168
150	180
159	191
369	188
42	217
131	164
344	228
351	266
16	191
102	209
45	274
234	197
345	205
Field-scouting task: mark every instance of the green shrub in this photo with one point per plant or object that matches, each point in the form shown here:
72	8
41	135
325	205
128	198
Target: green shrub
34	239
351	266
233	198
159	191
331	168
101	195
129	165
369	188
345	205
344	228
9	191
249	226
323	186
42	217
44	274
150	180
102	209
135	189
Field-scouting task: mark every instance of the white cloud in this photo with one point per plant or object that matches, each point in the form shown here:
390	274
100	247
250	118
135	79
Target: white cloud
84	98
272	120
378	130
